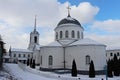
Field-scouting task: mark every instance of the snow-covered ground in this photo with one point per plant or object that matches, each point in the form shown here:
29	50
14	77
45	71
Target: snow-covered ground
4	75
22	74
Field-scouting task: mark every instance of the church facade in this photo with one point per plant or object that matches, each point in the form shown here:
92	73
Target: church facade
70	45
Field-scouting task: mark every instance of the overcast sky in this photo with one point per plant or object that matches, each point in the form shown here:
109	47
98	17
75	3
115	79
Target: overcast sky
100	19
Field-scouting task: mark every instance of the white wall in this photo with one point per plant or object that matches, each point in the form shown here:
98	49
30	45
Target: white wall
36	56
114	51
97	54
22	53
56	52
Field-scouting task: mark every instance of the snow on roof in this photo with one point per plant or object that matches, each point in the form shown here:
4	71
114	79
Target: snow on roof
6	56
22	58
37	47
55	43
20	50
86	41
113	48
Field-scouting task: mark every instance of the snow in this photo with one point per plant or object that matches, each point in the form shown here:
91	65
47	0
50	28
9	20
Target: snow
4	75
24	75
6	56
20	50
113	48
33	74
37	47
55	43
22	58
86	41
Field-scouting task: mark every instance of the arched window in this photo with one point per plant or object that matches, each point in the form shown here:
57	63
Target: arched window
14	55
35	39
28	55
111	54
78	34
66	34
117	53
82	35
41	60
56	35
50	62
23	55
61	34
87	59
19	55
73	34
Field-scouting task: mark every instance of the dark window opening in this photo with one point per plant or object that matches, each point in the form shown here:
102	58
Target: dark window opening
73	34
50	60
66	34
60	34
35	39
111	54
78	34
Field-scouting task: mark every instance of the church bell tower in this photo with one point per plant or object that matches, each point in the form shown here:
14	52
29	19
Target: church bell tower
34	38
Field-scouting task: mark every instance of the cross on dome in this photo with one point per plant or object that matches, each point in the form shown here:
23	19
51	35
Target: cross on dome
68	10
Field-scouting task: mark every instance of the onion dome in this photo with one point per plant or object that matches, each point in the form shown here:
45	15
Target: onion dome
69	20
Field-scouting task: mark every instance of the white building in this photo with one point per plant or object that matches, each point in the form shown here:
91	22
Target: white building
32	51
70	44
110	52
20	55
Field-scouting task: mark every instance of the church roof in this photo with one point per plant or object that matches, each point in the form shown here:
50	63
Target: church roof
113	48
37	47
55	43
20	50
86	41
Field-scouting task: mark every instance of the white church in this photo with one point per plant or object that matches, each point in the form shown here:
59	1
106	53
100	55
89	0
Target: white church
69	44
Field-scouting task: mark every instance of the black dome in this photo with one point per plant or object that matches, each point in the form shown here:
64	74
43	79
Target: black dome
69	20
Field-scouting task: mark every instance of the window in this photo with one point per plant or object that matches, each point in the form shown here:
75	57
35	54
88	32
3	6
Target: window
73	34
28	55
111	54
60	34
41	60
78	34
19	55
87	59
117	53
23	55
50	60
66	34
56	35
82	35
14	55
35	39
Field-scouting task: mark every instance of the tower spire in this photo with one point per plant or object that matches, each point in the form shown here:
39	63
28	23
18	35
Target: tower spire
68	10
35	23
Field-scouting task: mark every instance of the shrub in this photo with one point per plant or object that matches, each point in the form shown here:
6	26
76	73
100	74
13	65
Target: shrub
74	69
91	70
